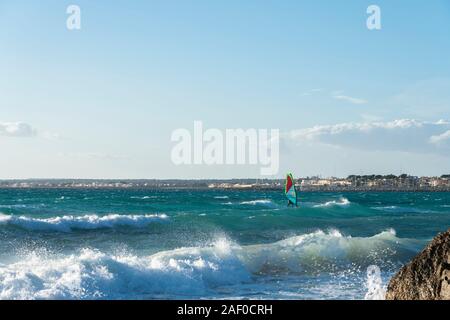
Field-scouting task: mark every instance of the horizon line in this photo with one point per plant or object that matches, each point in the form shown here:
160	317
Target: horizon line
223	179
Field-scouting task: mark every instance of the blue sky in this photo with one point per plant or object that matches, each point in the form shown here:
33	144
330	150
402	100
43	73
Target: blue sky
101	102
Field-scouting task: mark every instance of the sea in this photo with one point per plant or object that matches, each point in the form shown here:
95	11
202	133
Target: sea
209	244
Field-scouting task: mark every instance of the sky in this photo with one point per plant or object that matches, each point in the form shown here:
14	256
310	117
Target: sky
103	101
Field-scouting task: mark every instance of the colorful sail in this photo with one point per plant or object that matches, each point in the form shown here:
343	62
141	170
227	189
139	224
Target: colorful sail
290	191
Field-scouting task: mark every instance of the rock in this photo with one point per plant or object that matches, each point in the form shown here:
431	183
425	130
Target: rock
427	276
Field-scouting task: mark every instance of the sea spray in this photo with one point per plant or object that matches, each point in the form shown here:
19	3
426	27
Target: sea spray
374	284
92	274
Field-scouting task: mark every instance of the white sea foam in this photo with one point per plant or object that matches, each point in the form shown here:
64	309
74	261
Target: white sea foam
264	202
144	197
342	202
186	272
91	274
87	222
221	197
320	251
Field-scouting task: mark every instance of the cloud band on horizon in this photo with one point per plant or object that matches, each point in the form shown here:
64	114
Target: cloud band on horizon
407	135
17	129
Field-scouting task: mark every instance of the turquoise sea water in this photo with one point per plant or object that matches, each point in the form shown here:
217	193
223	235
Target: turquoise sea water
143	244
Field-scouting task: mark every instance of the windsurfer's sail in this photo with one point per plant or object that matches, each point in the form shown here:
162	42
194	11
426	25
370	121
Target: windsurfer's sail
289	190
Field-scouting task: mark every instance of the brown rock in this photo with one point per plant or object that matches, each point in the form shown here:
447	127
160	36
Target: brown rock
427	276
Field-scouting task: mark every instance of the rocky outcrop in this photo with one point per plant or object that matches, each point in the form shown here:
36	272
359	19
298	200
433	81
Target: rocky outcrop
427	276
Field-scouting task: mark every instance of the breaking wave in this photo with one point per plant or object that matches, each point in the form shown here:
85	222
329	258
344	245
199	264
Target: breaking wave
342	202
190	272
326	251
86	222
260	202
144	197
91	274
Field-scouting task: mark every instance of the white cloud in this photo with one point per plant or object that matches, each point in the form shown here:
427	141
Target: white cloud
399	135
352	100
441	138
16	129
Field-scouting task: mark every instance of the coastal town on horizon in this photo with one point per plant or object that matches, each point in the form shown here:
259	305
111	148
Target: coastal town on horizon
391	182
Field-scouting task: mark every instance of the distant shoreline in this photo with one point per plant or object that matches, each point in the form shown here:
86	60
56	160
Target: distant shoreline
304	185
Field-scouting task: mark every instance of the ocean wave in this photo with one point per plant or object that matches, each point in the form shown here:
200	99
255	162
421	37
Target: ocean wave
324	251
342	202
260	202
397	209
144	197
221	197
91	274
86	222
194	271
